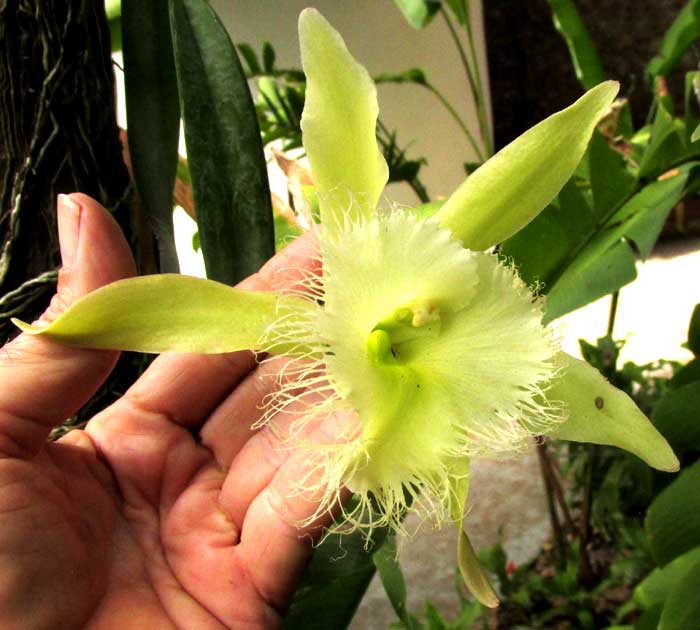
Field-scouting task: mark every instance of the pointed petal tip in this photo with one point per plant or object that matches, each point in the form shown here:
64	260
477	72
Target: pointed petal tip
673	466
24	327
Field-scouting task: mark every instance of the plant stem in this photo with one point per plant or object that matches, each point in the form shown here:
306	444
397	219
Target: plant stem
481	108
586	575
555	482
453	112
557	533
613	312
473	77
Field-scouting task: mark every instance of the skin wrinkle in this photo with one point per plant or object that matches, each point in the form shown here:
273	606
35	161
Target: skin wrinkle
127	483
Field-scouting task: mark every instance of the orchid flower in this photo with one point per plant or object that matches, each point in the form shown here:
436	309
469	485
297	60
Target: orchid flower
430	344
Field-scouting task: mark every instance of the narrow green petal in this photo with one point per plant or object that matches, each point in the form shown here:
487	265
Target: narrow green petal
338	124
516	184
469	566
166	313
601	414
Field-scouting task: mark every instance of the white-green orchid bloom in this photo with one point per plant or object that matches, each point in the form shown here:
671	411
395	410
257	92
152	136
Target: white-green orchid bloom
433	344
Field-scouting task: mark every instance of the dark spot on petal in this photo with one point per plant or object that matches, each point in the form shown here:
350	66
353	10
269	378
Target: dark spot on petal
599	402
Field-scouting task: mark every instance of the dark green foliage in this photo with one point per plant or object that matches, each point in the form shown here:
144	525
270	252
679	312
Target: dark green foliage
584	55
153	115
227	165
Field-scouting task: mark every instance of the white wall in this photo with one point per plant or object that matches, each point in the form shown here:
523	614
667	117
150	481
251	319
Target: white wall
381	39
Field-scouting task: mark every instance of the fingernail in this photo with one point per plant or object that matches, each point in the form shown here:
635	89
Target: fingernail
68	215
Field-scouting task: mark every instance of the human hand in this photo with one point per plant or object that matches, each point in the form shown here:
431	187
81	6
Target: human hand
135	522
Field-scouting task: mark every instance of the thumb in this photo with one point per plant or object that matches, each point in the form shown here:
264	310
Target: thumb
45	383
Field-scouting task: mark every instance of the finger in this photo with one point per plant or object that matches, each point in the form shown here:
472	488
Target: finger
44	383
188	387
260	457
282	522
229	426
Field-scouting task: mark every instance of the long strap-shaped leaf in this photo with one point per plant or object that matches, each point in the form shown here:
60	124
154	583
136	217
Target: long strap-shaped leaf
153	116
584	55
227	165
513	187
167	313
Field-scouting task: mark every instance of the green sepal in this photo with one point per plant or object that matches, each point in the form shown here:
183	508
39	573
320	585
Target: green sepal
338	124
602	414
515	185
473	574
167	313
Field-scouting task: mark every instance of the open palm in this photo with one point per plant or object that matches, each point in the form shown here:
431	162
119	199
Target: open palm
167	511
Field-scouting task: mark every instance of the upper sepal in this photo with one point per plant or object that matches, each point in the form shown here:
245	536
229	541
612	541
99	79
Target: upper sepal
339	124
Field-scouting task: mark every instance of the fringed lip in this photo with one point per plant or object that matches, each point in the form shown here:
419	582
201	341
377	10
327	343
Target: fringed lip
463	373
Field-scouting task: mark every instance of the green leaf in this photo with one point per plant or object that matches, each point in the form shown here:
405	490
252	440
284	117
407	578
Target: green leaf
153	116
113	9
602	414
649	619
268	55
546	244
695	136
682	608
167	313
339	123
387	563
666	144
677	417
285	232
603	259
513	187
684	30
334	583
657	586
611	182
459	9
673	520
689	373
412	75
418	13
691	104
250	58
227	165
584	55
694	331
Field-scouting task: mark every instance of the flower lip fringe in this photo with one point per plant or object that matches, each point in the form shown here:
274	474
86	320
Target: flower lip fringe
438	350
